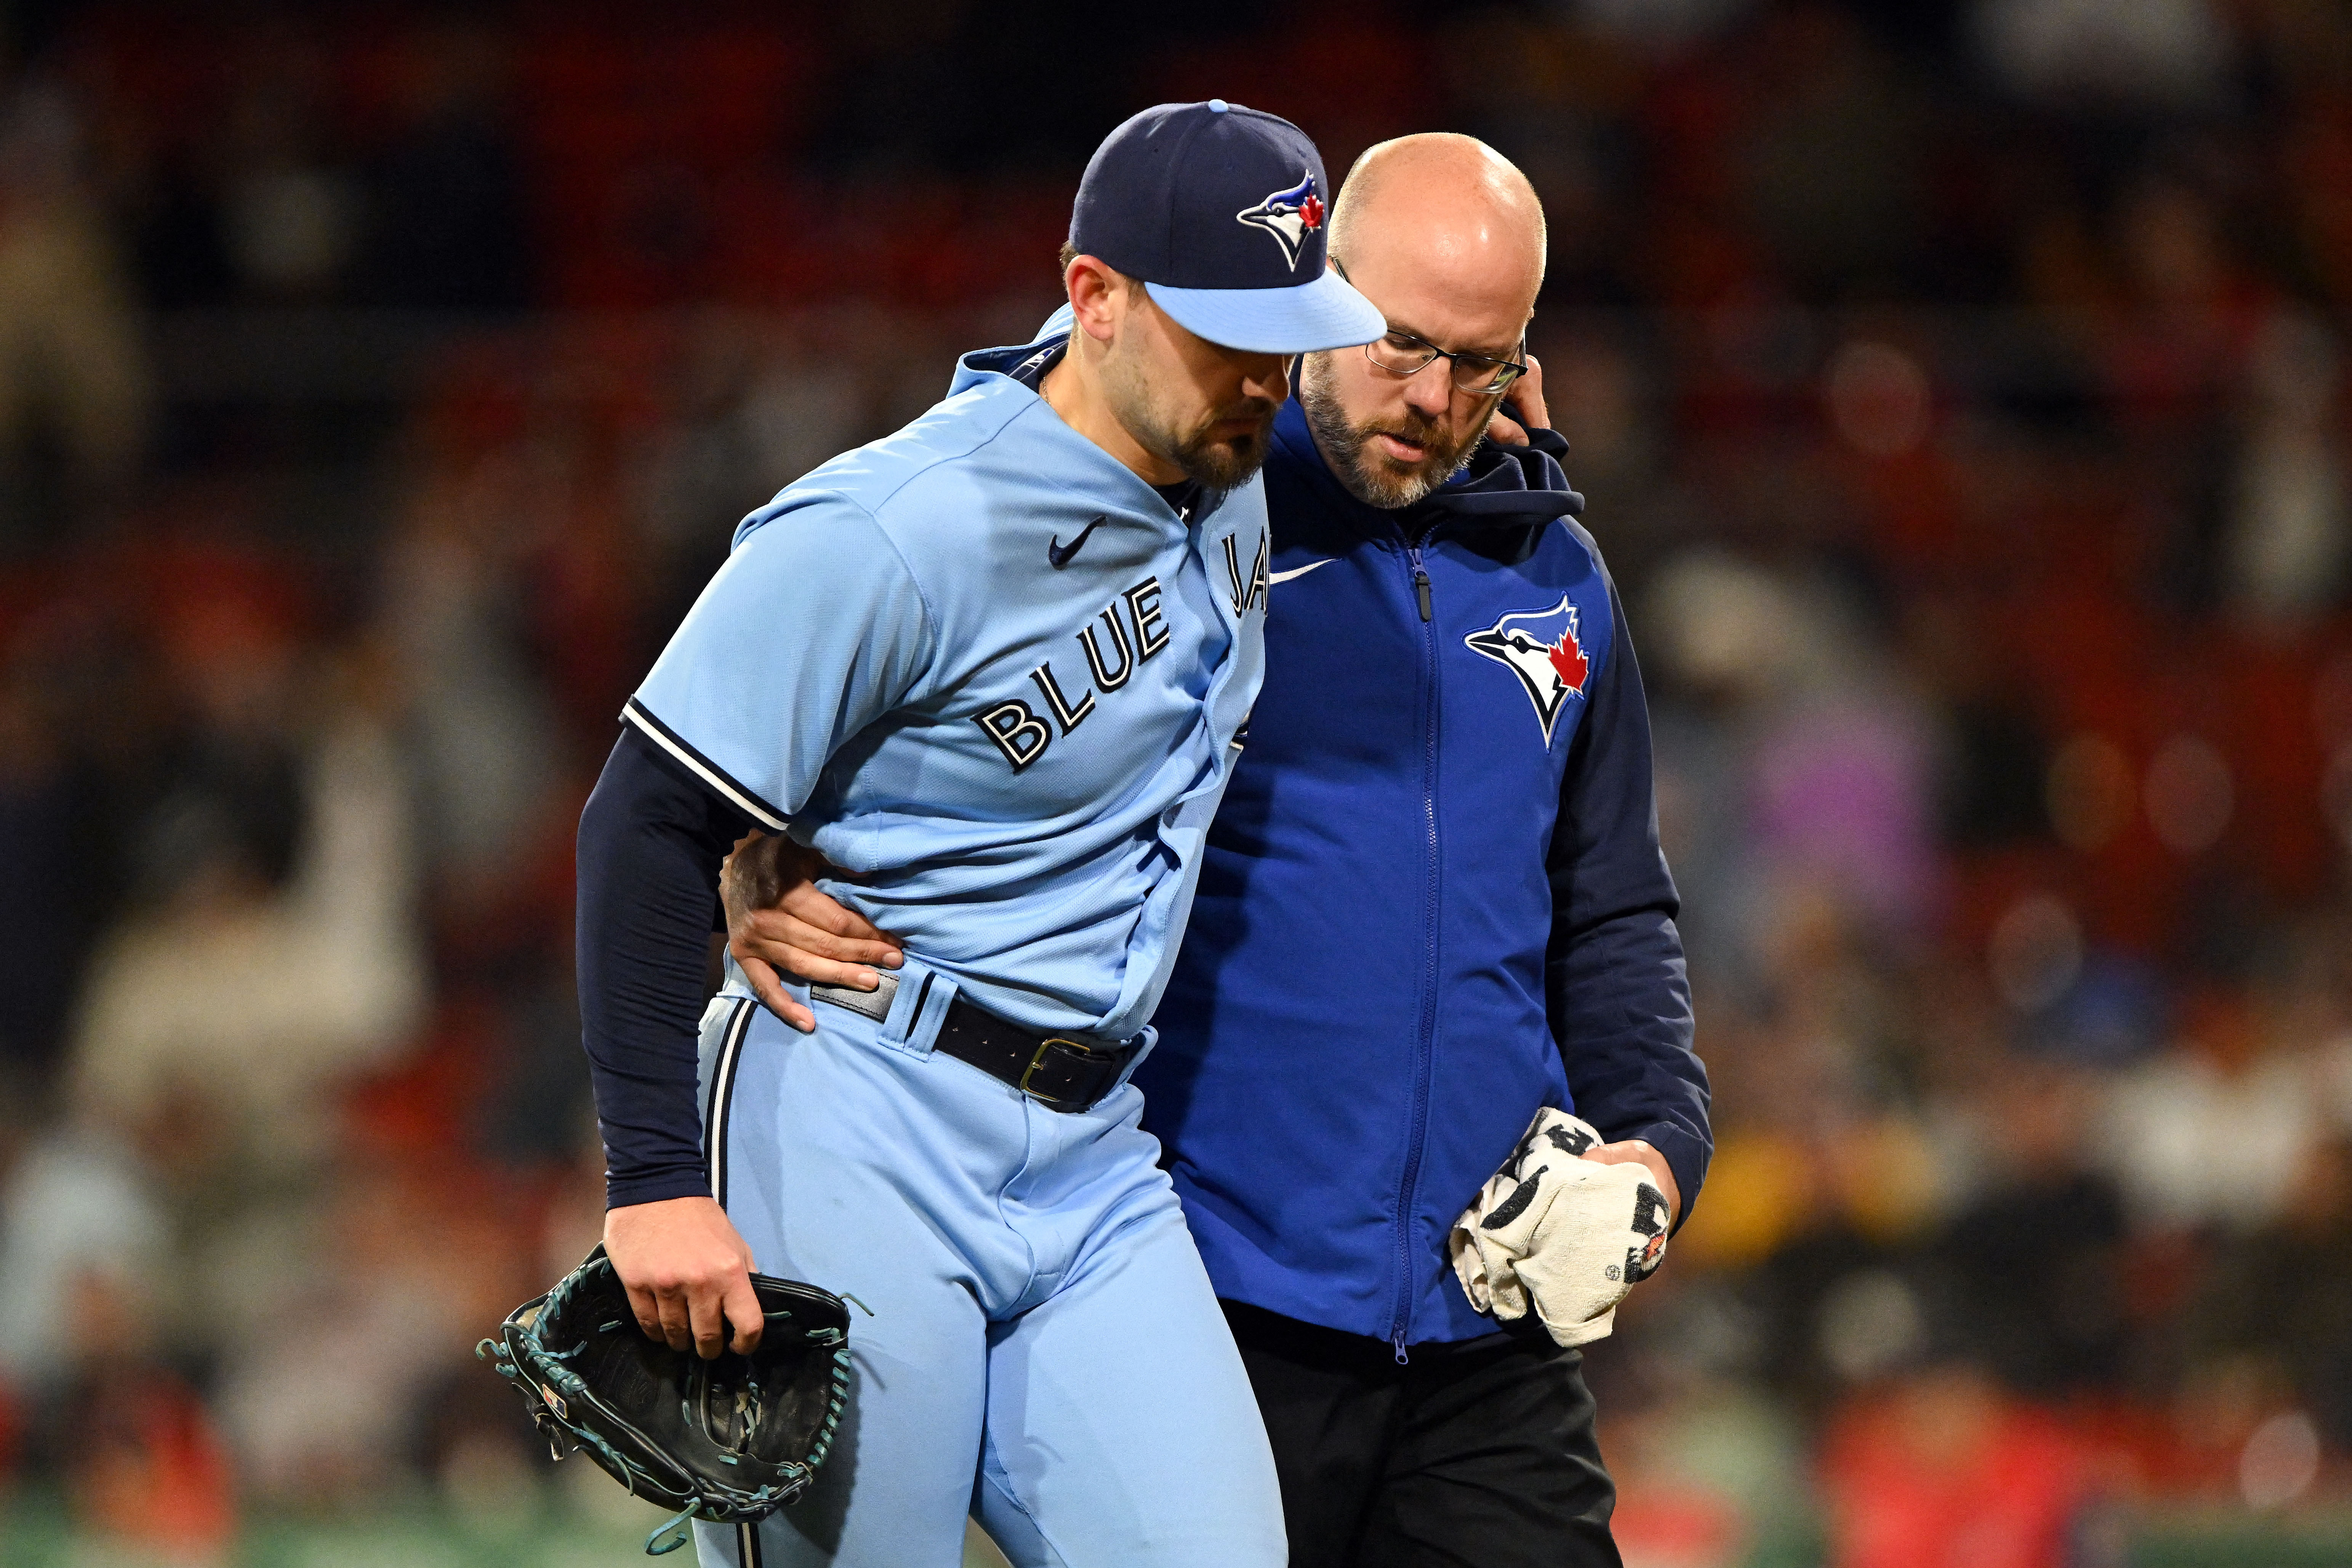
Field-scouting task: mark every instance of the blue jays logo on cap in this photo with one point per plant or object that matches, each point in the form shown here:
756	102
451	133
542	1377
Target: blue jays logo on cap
1179	197
1540	647
1290	217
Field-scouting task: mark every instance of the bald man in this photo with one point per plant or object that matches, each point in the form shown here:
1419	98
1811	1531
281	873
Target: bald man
1432	904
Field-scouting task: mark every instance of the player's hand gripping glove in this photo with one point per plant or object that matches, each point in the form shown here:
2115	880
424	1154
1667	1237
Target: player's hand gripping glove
728	1440
1569	1236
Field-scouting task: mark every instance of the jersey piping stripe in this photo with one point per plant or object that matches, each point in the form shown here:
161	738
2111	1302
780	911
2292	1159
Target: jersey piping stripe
714	1154
702	768
722	1096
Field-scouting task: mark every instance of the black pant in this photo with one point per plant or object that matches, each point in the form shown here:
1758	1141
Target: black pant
1479	1453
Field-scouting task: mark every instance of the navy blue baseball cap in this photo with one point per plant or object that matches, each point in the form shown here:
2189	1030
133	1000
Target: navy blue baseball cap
1222	211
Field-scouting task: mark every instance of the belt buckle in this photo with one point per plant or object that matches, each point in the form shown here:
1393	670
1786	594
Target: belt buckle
1037	1059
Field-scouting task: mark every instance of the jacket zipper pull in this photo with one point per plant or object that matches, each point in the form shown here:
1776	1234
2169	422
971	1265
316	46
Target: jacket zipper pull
1402	1359
1419	578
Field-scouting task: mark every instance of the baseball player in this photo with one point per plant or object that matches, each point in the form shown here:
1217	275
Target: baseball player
1434	906
994	665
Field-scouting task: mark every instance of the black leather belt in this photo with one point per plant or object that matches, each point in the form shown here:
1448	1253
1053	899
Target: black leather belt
1060	1071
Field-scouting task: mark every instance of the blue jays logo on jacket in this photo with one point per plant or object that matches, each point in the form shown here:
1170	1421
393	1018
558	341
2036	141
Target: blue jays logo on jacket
1289	215
1540	647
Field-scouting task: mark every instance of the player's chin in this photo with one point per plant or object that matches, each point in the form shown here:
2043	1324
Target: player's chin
1224	462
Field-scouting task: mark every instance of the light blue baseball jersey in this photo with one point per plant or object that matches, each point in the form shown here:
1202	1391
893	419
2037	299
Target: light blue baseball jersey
984	666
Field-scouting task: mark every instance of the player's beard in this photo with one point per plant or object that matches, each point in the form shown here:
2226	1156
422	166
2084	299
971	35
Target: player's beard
1370	476
1215	462
1224	462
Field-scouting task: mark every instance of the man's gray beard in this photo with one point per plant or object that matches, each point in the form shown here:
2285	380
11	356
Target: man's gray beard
1359	471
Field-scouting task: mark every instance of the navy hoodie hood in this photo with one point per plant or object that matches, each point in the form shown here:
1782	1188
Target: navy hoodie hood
1507	484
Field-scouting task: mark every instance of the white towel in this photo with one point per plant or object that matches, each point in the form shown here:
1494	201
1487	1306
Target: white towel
1569	1236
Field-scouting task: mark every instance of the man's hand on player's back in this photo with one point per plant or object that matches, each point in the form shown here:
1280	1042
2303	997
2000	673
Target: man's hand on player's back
780	922
688	1275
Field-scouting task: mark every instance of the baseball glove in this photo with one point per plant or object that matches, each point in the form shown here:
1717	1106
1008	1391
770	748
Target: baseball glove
728	1440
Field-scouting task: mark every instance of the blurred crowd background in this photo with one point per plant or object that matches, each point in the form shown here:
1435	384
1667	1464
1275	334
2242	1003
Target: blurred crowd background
1960	387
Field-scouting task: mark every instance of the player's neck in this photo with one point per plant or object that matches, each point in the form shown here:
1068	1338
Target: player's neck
1075	391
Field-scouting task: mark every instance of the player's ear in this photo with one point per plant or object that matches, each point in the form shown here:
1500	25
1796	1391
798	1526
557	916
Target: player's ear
1095	293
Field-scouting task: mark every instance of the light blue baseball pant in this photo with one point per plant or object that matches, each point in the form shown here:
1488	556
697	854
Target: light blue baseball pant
1045	1350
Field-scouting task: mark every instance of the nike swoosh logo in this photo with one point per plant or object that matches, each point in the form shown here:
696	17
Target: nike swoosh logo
1300	570
1061	554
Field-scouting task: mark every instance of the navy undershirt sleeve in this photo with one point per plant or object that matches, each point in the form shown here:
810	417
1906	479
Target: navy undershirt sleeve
651	842
1617	992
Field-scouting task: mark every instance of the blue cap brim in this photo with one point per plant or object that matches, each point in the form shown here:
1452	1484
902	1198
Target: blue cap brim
1325	314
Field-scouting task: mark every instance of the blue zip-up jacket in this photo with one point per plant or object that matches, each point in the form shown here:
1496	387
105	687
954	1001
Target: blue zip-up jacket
1434	900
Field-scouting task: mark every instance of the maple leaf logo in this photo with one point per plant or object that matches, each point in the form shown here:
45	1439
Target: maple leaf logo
1569	659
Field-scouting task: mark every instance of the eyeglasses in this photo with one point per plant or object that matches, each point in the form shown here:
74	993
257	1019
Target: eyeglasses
1403	354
